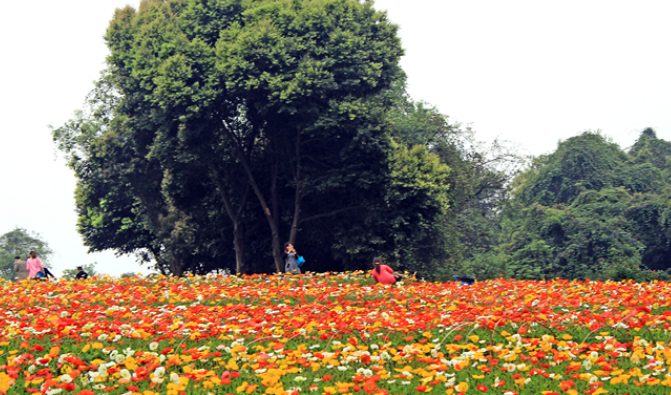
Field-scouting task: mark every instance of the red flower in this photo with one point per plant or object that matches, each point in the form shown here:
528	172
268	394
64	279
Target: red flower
369	387
482	388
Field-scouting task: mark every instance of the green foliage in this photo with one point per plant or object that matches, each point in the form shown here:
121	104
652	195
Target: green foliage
19	242
590	210
478	179
417	195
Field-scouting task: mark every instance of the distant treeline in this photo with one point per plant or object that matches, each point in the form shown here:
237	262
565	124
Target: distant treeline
588	210
221	130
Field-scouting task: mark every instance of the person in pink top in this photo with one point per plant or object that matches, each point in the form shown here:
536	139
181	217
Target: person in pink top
383	274
34	265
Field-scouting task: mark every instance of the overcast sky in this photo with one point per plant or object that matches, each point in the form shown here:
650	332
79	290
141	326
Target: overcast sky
531	72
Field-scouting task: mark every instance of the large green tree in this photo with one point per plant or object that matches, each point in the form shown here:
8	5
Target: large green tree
214	115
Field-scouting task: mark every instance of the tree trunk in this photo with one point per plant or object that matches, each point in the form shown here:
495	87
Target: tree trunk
238	245
275	218
297	193
277	250
277	253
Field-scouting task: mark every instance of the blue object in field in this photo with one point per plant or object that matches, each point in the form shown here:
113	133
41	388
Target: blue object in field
465	280
300	261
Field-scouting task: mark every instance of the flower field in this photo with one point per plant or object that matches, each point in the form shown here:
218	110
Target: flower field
333	334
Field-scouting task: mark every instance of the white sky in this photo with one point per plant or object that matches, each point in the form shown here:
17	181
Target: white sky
532	72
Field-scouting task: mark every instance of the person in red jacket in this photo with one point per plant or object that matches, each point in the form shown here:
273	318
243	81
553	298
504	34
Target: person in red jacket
383	274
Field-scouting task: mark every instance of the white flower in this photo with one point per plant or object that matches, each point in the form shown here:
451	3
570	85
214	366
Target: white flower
587	364
159	372
102	370
119	358
66	378
102	337
174	378
125	374
300	378
367	372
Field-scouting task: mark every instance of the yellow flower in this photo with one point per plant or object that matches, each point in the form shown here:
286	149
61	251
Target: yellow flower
241	387
5	382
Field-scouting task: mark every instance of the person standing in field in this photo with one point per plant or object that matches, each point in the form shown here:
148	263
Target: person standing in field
383	274
35	267
81	274
20	268
290	258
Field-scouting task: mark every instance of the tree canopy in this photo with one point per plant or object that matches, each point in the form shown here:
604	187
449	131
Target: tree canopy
215	117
